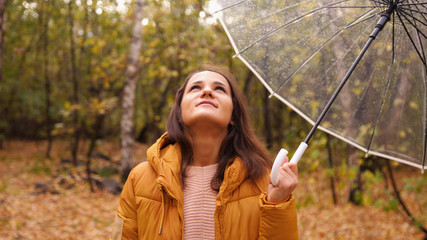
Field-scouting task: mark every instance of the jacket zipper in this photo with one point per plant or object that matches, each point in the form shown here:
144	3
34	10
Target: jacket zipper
163	187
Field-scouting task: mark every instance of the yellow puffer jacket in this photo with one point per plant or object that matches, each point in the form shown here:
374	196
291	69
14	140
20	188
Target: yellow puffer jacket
151	203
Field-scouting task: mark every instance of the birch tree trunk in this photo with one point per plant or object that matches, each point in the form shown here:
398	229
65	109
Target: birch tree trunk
127	131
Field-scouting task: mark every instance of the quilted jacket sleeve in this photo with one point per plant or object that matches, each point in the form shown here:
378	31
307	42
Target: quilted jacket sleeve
278	221
126	225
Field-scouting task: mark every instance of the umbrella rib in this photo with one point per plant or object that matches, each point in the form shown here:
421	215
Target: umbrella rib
232	5
421	14
413	4
422	4
413	24
422	59
425	100
348	50
381	107
361	6
281	10
410	38
355	22
382	2
286	24
413	10
425	120
419	32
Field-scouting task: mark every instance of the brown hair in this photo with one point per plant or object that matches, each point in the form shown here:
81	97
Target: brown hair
240	140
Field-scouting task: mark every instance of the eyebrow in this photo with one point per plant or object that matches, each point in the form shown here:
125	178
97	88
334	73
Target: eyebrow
216	82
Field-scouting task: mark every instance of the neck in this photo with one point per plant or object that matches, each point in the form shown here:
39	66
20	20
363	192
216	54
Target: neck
206	146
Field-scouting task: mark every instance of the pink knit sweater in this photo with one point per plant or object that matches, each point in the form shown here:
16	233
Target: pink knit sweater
199	203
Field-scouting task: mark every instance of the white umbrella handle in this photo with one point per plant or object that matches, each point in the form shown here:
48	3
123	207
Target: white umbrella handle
274	175
300	151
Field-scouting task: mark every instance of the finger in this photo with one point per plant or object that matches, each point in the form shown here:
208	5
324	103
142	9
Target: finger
286	160
294	168
287	175
287	168
287	181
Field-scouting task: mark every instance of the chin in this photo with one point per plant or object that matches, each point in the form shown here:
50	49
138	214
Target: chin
207	120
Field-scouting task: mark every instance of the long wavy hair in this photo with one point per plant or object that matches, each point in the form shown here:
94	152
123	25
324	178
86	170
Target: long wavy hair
240	140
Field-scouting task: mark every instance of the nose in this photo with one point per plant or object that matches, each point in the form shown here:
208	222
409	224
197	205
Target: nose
207	91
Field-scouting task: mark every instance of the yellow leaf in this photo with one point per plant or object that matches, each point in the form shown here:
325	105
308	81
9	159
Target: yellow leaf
413	105
67	105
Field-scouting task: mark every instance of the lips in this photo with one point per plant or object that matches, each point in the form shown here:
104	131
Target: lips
206	102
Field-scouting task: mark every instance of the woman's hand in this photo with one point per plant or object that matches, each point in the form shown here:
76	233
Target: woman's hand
288	181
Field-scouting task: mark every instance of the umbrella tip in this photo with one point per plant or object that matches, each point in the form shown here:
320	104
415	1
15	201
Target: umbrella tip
422	170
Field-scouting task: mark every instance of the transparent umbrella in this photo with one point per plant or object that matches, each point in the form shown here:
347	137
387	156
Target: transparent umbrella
313	55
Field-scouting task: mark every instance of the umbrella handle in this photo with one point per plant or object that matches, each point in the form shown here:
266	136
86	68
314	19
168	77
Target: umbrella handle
300	151
274	175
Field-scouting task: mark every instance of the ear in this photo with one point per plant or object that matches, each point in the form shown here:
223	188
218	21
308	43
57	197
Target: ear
231	122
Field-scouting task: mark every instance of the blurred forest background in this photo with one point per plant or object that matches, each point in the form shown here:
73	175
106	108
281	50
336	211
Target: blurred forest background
86	86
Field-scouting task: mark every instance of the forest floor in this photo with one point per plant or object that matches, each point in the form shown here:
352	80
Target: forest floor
45	199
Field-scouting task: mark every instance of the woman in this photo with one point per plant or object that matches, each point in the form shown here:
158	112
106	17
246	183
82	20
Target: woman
208	176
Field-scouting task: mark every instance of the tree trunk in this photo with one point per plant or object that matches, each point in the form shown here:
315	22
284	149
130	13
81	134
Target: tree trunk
45	20
97	127
127	140
331	166
82	55
356	188
248	81
345	100
267	123
76	137
3	5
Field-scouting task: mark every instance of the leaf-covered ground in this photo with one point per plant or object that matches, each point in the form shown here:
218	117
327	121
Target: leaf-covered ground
44	199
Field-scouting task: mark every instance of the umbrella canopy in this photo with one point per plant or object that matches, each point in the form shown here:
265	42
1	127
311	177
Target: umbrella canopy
303	49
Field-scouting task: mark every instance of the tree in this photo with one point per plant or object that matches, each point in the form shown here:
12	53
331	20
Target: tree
3	4
75	142
127	126
44	20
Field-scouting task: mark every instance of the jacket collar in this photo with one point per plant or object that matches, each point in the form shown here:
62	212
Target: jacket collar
165	158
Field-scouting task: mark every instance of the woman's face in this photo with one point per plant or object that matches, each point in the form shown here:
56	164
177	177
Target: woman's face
207	100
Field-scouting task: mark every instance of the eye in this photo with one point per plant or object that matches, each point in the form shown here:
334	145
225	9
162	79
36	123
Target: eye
194	87
219	88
